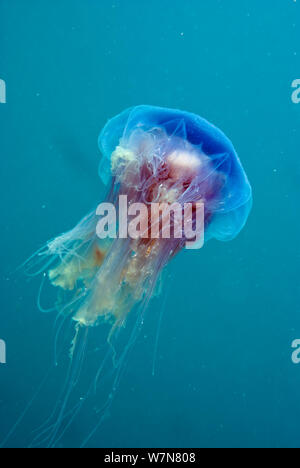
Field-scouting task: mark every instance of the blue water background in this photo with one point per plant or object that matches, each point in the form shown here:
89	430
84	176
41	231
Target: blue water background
224	375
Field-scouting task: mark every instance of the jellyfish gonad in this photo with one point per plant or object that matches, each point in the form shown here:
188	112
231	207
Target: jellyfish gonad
150	155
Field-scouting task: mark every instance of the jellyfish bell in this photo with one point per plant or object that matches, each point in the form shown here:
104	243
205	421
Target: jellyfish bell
159	158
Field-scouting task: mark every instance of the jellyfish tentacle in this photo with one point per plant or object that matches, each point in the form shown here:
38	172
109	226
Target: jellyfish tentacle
160	318
72	375
42	309
25	411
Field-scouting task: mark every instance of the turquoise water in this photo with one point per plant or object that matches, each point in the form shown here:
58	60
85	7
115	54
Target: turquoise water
224	375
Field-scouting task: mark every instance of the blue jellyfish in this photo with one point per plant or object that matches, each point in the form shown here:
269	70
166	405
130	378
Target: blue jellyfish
150	155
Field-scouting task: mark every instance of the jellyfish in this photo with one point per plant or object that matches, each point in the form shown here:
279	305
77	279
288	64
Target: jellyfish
150	155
